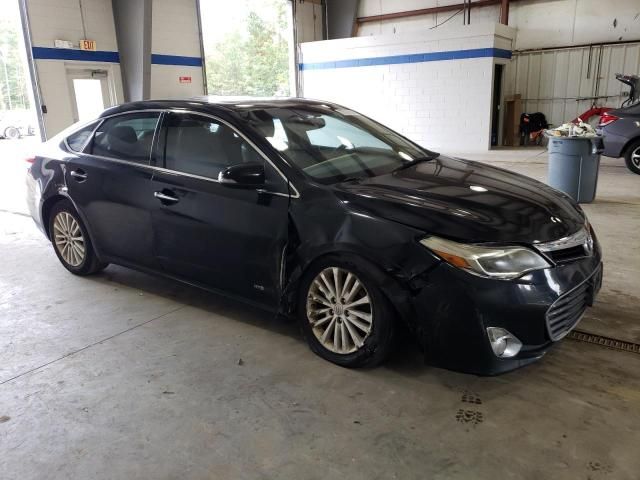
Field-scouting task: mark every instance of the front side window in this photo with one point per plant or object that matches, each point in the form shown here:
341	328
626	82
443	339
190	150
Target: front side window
126	137
333	144
203	146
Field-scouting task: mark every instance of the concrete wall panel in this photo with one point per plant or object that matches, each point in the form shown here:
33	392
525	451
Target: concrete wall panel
562	83
73	21
540	23
176	36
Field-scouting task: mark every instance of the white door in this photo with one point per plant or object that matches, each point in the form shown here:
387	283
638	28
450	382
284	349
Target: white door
90	91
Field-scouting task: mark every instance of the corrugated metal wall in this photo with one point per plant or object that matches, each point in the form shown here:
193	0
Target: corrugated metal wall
562	83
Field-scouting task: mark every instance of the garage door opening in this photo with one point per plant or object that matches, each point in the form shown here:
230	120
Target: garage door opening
19	129
248	47
17	115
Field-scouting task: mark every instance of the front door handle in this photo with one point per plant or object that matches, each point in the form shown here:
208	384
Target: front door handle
79	175
163	197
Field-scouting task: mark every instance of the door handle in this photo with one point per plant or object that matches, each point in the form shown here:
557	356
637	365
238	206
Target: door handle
79	175
163	197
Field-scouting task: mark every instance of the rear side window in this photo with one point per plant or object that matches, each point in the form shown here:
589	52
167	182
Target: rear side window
126	137
76	141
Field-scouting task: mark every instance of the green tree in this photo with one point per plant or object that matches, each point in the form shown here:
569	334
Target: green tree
13	92
253	60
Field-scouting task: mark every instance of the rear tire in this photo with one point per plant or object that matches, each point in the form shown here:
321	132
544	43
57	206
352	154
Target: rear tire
11	133
632	157
71	241
345	317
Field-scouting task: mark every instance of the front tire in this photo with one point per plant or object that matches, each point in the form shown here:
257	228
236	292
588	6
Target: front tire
71	241
632	157
344	316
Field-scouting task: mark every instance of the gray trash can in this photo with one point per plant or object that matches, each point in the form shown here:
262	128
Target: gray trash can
573	166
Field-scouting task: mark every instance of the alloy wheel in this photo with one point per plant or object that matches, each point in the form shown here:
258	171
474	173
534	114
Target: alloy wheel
339	310
68	239
635	158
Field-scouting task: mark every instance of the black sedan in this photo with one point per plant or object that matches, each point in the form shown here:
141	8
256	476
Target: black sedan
312	210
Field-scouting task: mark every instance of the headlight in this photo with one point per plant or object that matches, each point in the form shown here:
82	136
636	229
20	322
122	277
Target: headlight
504	263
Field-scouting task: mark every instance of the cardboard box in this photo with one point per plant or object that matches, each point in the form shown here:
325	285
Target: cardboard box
511	121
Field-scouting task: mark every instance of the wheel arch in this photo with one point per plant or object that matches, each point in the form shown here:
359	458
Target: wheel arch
389	281
47	207
629	144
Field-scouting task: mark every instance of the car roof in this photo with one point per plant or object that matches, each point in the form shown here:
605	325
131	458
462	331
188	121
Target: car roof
214	103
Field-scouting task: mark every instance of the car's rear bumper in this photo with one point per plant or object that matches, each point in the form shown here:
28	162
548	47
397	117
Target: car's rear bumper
613	143
34	200
455	308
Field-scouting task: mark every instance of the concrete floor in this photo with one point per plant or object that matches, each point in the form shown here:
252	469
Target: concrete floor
124	375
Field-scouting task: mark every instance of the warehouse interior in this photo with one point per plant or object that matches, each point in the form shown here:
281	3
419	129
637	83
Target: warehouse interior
124	374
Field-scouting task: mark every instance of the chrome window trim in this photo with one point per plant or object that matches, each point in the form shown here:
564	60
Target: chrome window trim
155	136
294	191
173	172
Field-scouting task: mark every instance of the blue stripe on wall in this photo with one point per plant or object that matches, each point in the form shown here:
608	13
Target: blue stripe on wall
157	59
44	53
412	58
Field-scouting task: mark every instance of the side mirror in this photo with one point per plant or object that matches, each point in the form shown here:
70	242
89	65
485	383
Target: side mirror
243	175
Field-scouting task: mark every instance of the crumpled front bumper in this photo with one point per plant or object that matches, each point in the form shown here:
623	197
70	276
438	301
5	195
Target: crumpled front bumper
454	308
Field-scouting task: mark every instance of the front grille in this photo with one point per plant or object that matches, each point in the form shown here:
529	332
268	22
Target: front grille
568	249
567	254
567	310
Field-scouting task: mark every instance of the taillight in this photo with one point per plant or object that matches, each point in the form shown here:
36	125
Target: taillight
606	119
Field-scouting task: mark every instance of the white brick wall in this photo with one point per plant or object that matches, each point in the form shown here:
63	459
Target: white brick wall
443	105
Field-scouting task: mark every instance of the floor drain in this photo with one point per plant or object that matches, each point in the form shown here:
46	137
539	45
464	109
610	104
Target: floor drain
603	341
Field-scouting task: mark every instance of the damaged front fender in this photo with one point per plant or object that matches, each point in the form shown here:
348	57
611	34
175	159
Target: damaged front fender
326	226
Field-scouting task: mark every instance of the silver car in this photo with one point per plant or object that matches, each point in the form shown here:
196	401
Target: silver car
621	130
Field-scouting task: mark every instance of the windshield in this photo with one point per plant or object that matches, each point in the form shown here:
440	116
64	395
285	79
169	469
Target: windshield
334	144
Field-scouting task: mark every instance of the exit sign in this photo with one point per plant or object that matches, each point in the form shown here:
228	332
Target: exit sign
184	79
88	45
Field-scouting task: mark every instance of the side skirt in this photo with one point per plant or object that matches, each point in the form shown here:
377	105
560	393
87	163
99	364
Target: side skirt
262	306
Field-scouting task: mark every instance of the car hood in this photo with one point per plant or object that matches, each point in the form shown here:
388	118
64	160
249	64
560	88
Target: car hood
466	200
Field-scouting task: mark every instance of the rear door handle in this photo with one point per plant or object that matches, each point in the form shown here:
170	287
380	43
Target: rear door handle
79	175
163	197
